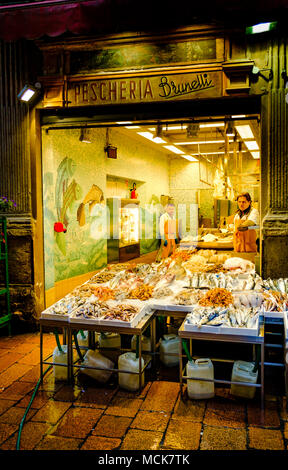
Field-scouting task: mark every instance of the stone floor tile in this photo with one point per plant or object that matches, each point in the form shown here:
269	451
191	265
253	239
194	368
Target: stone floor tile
161	396
124	407
141	440
6	360
100	443
5	405
97	397
182	435
31	358
78	422
221	438
151	421
33	375
17	390
51	412
58	443
265	439
67	393
189	410
126	394
225	415
15	414
6	430
40	399
14	372
31	434
112	426
268	417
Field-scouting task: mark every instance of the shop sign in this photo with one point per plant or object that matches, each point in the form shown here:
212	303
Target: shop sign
145	89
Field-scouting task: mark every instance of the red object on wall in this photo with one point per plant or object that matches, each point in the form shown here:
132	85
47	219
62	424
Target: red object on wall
59	227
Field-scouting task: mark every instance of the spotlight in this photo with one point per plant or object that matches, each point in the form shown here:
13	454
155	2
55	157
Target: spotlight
84	136
230	130
28	92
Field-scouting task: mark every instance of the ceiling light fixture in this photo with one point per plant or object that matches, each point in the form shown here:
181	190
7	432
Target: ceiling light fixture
230	132
251	144
245	132
84	136
213	124
173	149
150	136
256	155
190	158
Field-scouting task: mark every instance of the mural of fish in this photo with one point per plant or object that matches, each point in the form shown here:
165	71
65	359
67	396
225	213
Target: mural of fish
94	196
73	193
65	171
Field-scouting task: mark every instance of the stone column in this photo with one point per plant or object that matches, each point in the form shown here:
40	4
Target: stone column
274	172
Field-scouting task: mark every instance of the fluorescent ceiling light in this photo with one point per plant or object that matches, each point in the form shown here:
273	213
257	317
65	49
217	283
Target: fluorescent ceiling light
169	128
190	158
255	155
239	116
211	153
150	136
123	122
213	124
202	142
245	132
132	127
251	144
173	149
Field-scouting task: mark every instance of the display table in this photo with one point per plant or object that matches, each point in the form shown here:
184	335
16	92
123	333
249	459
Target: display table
138	330
235	338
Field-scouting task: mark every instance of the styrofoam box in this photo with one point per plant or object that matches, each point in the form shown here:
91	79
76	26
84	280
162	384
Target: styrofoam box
273	314
285	317
144	309
48	314
224	330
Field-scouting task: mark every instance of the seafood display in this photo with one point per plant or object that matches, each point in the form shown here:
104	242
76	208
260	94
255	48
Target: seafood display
143	292
188	297
230	317
280	285
123	312
217	297
221	291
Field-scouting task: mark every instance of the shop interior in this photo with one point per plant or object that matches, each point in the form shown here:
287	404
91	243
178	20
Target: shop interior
199	164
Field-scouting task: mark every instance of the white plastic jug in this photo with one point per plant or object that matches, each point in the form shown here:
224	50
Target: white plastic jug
169	344
128	361
95	359
243	372
109	340
60	357
145	343
83	338
202	368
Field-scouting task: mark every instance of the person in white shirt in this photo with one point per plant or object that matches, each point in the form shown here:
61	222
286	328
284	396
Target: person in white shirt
245	240
168	232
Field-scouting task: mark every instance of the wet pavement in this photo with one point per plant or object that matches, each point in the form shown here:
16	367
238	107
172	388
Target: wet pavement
88	416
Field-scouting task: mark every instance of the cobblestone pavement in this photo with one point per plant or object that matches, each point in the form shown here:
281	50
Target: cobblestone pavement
87	416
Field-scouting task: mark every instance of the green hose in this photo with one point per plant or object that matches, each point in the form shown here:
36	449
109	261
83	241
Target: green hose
27	409
77	347
82	334
187	350
58	341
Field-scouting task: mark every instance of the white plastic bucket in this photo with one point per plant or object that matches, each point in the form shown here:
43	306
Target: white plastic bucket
169	344
243	372
128	361
109	340
202	368
95	359
145	343
60	357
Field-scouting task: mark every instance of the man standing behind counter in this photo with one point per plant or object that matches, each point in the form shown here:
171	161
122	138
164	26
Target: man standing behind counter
244	239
